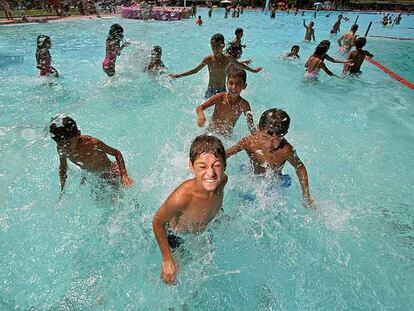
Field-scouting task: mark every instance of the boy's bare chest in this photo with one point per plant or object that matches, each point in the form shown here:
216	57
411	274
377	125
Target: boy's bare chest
202	211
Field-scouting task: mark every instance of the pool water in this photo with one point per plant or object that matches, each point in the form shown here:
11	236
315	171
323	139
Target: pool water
355	136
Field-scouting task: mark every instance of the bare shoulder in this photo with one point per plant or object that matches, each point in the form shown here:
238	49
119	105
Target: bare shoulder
244	104
288	149
208	59
89	140
181	196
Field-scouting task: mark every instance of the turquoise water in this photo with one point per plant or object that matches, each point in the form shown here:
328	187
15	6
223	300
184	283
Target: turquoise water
355	252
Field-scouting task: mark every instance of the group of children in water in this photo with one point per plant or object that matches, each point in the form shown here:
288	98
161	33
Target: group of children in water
197	201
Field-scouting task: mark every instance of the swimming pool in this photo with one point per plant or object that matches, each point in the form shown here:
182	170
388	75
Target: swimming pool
355	252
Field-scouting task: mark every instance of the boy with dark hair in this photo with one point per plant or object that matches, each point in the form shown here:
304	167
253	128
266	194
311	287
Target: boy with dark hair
337	25
227	106
155	64
310	32
236	47
268	150
86	152
294	52
194	204
217	64
357	57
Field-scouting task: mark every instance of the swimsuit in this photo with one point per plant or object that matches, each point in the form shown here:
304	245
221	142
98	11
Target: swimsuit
213	91
174	241
112	173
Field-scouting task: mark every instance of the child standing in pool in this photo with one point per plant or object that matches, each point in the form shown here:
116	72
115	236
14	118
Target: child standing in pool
337	25
236	47
113	48
310	32
357	57
227	106
199	21
194	204
347	40
155	64
87	152
217	64
268	150
43	58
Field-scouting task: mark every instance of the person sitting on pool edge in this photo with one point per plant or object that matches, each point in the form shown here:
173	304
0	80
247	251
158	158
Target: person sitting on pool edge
194	204
227	106
87	152
217	64
357	57
268	149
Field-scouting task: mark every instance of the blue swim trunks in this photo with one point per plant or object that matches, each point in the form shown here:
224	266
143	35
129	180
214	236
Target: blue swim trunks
213	91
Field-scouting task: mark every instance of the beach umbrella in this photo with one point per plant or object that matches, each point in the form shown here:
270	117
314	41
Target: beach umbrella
317	3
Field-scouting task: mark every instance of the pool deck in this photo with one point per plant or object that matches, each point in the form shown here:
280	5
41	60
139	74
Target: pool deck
53	19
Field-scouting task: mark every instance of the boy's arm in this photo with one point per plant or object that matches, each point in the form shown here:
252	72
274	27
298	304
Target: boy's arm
304	25
302	174
249	116
192	71
201	118
313	36
243	66
328	72
338	61
340	40
63	167
125	179
172	207
368	54
234	149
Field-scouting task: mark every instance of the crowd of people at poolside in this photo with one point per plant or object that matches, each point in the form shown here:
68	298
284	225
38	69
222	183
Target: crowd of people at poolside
197	201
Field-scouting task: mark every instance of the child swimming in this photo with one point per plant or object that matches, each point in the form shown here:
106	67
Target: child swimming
155	64
357	57
310	32
113	48
43	58
236	47
217	64
227	106
86	152
268	149
294	52
199	22
194	204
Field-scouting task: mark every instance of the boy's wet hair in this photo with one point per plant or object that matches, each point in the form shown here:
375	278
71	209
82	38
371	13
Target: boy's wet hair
275	122
207	144
235	72
218	37
360	42
42	40
238	30
116	29
354	27
63	128
157	50
295	47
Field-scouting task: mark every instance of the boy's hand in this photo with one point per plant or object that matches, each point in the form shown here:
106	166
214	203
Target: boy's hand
258	69
168	272
125	44
127	181
309	203
201	120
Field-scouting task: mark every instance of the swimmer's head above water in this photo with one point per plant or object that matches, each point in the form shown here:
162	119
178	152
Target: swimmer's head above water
239	32
217	43
360	42
62	128
205	144
274	122
43	41
116	30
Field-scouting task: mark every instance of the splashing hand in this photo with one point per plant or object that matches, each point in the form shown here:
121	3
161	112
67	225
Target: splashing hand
201	121
258	69
168	272
127	181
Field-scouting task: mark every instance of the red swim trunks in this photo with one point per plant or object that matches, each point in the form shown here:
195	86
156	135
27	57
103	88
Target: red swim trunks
112	172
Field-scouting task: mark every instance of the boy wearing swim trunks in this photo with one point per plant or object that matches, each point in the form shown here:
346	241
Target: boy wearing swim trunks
357	57
268	150
217	64
194	204
227	106
86	152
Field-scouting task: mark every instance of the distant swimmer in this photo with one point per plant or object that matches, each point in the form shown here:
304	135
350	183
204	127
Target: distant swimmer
199	21
156	64
294	52
236	47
